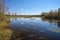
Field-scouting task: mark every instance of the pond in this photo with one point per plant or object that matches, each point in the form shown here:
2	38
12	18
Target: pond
34	28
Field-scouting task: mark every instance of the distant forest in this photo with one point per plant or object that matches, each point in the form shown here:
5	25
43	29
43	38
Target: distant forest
52	14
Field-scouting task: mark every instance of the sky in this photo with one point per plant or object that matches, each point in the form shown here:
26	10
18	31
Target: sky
32	7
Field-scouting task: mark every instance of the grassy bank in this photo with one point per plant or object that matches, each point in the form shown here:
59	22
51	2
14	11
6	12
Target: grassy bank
5	32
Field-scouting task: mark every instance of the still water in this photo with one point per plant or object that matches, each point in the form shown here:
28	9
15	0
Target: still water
34	29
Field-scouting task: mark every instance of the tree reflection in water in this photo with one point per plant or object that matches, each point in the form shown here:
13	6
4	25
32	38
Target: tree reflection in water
58	24
52	21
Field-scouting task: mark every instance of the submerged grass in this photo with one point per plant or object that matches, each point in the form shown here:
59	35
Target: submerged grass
5	34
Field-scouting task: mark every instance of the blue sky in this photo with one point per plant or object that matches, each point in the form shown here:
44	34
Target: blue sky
32	7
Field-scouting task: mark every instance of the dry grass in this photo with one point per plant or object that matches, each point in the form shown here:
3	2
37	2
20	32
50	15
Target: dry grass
5	32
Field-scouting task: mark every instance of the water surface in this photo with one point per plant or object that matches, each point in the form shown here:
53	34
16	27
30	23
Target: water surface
35	29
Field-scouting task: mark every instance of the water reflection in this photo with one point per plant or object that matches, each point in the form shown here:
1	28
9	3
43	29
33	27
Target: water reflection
58	24
34	29
29	29
52	21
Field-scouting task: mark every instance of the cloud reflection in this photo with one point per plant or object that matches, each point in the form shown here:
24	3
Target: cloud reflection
54	30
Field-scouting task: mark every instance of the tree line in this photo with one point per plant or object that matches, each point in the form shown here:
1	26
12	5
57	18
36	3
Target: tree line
52	14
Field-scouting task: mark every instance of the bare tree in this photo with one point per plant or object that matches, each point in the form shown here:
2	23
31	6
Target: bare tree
2	8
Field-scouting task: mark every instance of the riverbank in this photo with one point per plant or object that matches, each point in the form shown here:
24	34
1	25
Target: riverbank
5	32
